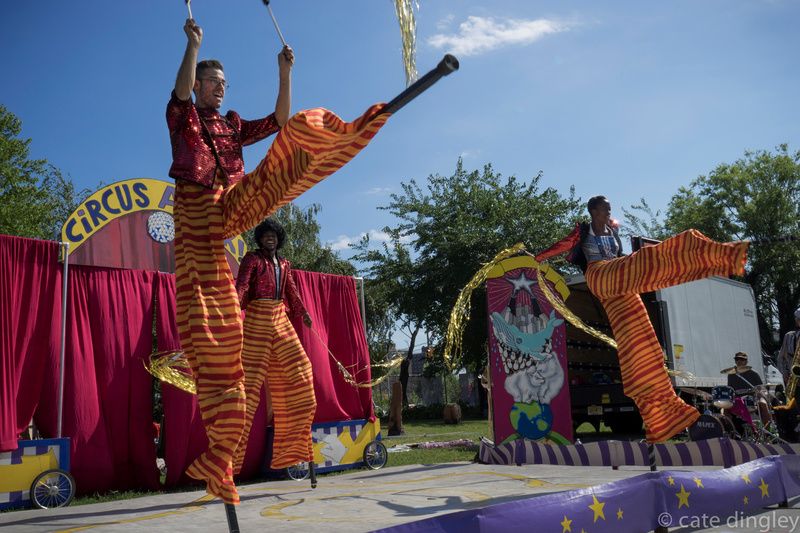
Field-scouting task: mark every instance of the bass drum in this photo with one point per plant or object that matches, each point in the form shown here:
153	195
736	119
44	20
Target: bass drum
722	397
706	427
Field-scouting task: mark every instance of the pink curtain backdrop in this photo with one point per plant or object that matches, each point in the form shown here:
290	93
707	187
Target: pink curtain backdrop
332	302
107	392
30	305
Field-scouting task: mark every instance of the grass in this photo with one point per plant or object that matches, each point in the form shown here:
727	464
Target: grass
438	431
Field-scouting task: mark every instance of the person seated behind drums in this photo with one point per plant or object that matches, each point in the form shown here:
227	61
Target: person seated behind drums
744	380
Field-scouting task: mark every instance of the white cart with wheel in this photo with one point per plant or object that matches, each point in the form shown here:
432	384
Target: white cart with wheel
36	474
344	445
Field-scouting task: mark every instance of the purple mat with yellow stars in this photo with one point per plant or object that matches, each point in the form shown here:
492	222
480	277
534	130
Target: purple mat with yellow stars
641	503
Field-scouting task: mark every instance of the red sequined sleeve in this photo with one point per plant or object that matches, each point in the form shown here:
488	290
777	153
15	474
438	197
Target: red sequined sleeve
254	130
295	304
179	113
564	245
247	270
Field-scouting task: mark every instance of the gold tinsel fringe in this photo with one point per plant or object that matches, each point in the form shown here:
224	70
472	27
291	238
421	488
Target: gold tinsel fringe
459	316
408	35
173	368
568	315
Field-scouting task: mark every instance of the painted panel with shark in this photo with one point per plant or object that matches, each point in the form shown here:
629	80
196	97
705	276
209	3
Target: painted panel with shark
527	354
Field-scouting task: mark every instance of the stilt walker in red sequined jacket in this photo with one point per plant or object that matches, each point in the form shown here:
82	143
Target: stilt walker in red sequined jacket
272	351
215	200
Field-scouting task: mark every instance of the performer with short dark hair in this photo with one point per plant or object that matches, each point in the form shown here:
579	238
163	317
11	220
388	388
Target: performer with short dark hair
214	200
618	280
272	350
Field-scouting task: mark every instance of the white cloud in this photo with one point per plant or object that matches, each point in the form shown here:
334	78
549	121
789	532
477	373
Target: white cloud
482	34
378	190
343	242
444	23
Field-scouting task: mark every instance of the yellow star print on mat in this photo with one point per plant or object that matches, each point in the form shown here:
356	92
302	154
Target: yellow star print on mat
746	478
746	500
597	508
566	525
619	514
683	497
671	481
764	489
699	482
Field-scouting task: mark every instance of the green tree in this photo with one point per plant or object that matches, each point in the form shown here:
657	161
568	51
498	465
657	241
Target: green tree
641	220
755	198
447	230
35	198
391	274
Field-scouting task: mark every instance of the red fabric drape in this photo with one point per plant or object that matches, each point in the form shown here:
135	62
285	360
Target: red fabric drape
30	306
107	392
332	303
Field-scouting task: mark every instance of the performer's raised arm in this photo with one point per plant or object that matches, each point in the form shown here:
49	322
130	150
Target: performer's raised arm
185	80
283	105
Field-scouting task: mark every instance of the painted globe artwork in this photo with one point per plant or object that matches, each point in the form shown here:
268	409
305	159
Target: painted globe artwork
531	420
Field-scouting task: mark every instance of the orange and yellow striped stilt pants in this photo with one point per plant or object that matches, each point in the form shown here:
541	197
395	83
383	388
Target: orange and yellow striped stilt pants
617	283
273	352
310	147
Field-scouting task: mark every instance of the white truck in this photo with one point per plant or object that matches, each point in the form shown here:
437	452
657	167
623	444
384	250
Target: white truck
700	326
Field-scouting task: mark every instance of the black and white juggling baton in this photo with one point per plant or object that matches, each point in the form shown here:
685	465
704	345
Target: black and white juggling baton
275	22
189	7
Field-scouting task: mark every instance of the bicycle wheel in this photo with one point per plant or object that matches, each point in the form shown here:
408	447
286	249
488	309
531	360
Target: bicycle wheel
298	472
52	488
375	455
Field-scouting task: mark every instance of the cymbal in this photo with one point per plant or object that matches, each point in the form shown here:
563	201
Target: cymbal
703	395
735	369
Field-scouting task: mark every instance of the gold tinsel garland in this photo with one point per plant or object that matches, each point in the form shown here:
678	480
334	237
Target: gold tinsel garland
568	315
459	316
173	368
408	34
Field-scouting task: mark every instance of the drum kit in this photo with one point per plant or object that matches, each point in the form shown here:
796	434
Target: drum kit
738	415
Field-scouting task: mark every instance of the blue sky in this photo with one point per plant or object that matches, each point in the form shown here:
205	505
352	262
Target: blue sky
626	98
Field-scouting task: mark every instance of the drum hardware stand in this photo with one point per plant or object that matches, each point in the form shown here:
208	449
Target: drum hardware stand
762	431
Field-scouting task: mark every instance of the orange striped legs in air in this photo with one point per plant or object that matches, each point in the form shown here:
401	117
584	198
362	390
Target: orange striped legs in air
209	325
311	146
273	352
617	283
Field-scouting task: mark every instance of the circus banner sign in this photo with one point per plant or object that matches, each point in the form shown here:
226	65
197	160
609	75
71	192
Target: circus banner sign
129	224
527	354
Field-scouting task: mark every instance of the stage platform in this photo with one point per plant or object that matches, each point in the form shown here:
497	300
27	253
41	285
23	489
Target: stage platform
369	500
